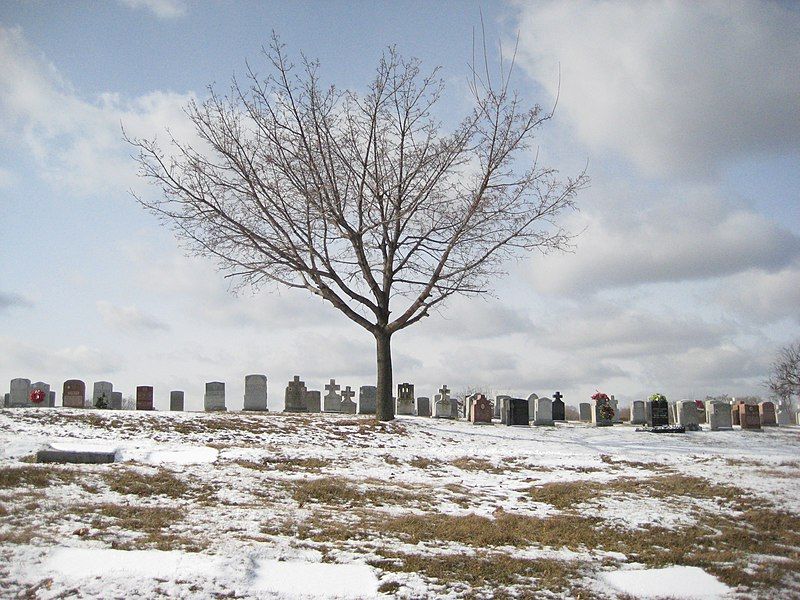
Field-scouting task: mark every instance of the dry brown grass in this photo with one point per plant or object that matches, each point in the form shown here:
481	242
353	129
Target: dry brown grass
468	463
421	462
161	483
339	491
35	476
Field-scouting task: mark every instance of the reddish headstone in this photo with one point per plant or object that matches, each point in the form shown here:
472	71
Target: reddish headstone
735	414
766	411
144	397
749	417
74	394
481	410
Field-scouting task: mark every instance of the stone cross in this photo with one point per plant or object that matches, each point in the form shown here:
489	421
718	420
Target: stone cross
333	387
557	396
347	394
445	392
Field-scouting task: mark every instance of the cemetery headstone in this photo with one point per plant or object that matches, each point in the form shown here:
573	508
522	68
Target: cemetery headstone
719	416
101	394
348	406
686	411
214	399
176	398
367	399
638	413
144	397
423	406
6	400
295	396
543	412
617	412
749	416
516	411
658	413
532	407
442	407
767	411
116	401
313	401
559	410
701	410
735	413
602	410
455	408
45	388
333	400
499	407
481	410
73	394
784	416
51	398
255	392
405	399
585	410
20	391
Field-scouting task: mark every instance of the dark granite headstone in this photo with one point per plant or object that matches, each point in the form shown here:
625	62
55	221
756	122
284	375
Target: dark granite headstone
558	408
517	411
658	415
144	397
423	406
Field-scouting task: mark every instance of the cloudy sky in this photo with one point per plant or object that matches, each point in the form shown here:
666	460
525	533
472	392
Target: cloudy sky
685	278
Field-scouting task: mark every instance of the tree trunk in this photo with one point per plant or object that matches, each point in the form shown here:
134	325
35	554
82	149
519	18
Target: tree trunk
384	402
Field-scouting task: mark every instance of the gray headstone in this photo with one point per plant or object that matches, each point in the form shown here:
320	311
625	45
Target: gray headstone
295	396
214	399
499	406
423	406
638	413
442	407
367	395
313	401
617	411
6	400
45	387
332	402
102	390
585	411
543	413
532	407
255	392
784	416
116	401
686	411
719	415
176	400
20	393
51	398
348	406
405	399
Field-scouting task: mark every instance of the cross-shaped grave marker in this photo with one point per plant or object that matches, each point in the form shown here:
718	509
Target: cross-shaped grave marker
333	387
558	396
347	394
445	392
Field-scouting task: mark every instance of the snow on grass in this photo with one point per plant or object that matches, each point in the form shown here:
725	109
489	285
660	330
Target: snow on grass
691	583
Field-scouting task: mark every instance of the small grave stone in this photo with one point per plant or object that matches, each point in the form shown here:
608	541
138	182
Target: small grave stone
719	416
686	411
333	400
735	413
313	401
767	411
50	455
51	399
617	411
516	411
442	407
455	408
543	412
255	392
116	401
45	387
176	398
348	406
423	406
701	411
20	392
638	413
558	408
585	411
532	407
6	400
602	412
367	399
101	394
749	416
405	399
498	406
295	396
73	394
144	397
481	410
658	413
214	399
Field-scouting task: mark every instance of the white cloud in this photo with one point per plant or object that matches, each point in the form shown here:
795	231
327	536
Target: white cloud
672	86
756	295
37	361
77	142
163	9
128	318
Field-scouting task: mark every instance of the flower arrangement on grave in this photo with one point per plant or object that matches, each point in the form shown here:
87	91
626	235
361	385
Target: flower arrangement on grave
37	396
604	404
101	402
658	398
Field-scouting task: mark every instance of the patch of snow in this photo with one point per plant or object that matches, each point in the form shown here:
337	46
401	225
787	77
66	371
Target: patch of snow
674	582
78	563
320	580
190	456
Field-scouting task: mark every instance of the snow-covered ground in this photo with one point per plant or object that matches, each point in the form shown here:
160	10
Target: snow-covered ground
262	506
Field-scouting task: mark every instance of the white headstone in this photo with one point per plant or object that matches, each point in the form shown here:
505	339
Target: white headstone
255	392
638	413
687	414
532	407
543	413
443	407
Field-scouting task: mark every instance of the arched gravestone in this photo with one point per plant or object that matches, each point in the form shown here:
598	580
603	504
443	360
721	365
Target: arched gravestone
214	399
532	407
176	398
585	410
516	410
73	394
255	393
559	411
295	396
544	411
367	399
19	393
480	410
686	411
144	397
499	405
405	399
45	387
423	406
638	413
749	417
766	411
101	392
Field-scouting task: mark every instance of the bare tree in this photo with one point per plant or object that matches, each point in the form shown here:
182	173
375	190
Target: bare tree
361	199
784	380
